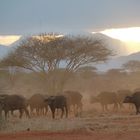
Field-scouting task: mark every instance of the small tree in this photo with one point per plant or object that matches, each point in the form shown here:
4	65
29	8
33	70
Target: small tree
132	66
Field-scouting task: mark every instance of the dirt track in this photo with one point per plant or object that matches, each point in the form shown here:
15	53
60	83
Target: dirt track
71	136
108	126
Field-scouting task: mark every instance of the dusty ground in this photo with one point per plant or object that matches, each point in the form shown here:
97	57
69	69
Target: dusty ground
71	136
90	126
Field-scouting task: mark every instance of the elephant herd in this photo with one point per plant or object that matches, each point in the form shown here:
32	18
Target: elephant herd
118	99
38	104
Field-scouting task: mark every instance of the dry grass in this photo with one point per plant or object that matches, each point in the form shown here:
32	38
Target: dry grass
91	125
106	122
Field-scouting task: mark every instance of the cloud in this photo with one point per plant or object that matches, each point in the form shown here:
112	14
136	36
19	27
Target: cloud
8	39
35	16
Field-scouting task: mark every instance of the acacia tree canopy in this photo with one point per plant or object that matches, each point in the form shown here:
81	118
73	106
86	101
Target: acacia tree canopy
46	52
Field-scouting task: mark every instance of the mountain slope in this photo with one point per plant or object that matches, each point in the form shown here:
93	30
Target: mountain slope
118	62
119	48
3	51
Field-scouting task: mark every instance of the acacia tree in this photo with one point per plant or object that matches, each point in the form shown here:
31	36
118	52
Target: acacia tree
132	66
48	53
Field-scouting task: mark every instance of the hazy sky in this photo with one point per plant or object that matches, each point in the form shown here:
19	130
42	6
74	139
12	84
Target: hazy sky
35	16
31	16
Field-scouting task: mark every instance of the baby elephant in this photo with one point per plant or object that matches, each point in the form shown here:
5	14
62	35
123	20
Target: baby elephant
57	102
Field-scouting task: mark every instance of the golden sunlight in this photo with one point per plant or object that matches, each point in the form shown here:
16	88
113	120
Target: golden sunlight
130	36
124	34
8	39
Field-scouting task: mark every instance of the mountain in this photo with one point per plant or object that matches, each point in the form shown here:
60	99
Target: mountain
3	51
16	43
115	45
116	63
119	48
